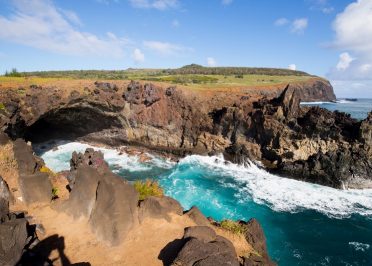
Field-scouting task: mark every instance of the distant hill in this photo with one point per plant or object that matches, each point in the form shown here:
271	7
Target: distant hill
132	73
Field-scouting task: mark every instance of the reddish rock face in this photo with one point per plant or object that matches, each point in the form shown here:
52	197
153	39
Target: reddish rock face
265	124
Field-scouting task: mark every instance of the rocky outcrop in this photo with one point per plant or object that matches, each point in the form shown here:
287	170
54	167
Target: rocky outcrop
13	238
254	235
315	90
155	207
35	186
266	125
204	247
106	199
4	197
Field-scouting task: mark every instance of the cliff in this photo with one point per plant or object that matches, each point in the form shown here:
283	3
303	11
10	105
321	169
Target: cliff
96	218
260	123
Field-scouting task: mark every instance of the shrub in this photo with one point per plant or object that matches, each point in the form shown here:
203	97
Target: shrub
148	188
2	106
45	169
232	226
54	193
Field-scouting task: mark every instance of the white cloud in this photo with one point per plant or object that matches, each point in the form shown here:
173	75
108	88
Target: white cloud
299	25
281	22
39	24
227	2
321	5
175	23
211	62
72	17
292	67
166	48
344	62
156	4
353	28
138	56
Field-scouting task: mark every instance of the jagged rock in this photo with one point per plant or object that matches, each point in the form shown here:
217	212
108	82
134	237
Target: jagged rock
108	201
35	188
198	251
106	86
83	194
5	197
159	207
365	132
13	238
4	139
255	236
195	214
115	209
203	233
27	162
137	94
91	158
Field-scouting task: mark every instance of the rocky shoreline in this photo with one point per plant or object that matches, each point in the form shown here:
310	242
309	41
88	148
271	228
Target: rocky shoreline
265	125
110	207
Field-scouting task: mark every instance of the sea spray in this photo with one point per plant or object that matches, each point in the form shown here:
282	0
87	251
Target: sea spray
291	212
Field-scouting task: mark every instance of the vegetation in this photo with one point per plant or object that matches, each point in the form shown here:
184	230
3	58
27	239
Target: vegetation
232	226
148	188
2	107
13	73
197	69
54	193
45	169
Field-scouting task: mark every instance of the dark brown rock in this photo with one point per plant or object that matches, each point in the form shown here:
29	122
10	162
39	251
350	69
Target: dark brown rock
5	197
203	233
35	188
13	236
195	214
159	207
199	251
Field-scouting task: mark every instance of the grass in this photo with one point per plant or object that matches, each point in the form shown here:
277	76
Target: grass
148	188
232	226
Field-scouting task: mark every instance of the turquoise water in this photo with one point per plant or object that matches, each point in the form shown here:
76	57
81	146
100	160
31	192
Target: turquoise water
358	109
305	224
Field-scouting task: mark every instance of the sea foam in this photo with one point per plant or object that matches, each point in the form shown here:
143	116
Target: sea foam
252	182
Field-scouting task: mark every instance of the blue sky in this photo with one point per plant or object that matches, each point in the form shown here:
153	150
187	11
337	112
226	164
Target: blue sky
329	38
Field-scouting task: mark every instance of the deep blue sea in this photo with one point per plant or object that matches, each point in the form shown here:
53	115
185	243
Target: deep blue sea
358	109
305	224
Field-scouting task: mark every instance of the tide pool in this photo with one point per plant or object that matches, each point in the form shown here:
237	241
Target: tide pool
305	224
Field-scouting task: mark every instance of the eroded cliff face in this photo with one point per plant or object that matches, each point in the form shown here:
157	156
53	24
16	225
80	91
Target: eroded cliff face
266	125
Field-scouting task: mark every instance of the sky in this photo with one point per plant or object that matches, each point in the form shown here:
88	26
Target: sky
328	38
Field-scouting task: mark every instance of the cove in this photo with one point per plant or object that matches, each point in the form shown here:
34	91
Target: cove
305	224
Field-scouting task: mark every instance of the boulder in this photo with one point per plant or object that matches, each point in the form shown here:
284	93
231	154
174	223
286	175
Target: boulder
13	238
108	201
159	207
199	251
195	214
36	188
83	195
115	209
5	197
26	161
4	139
203	233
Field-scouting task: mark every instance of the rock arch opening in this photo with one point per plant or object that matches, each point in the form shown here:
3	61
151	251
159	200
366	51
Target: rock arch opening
69	123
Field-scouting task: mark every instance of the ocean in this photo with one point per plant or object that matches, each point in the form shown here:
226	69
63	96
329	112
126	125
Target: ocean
304	223
357	109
